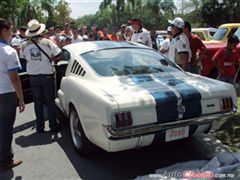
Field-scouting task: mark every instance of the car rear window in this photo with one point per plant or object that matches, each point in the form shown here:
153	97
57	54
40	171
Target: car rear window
128	61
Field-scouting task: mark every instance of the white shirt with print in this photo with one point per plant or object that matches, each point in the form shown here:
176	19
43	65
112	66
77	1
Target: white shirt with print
37	61
8	62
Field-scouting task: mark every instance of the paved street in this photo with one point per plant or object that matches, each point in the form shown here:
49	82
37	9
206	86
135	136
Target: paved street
51	156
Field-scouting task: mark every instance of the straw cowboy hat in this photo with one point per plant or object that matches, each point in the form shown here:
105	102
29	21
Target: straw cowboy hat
34	28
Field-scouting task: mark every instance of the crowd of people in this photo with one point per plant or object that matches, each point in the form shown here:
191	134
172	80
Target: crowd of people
40	47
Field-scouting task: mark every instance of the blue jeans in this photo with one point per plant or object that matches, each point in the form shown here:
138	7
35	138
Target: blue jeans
43	90
8	105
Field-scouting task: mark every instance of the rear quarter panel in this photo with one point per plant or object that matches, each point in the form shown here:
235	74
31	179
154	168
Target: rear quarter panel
93	106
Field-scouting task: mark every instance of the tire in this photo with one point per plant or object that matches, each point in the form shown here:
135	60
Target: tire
80	142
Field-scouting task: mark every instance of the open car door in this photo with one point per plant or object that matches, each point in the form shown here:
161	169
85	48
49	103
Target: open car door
24	77
60	69
27	92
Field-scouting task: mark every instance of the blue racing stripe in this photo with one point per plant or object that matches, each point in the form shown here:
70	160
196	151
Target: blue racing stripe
166	101
191	97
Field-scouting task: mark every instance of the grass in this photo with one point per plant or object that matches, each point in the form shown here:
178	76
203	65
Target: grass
229	133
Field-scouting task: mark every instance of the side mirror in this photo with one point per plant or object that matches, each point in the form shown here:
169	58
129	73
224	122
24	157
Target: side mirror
65	55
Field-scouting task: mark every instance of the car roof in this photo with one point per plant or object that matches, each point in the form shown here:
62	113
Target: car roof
87	46
200	29
230	25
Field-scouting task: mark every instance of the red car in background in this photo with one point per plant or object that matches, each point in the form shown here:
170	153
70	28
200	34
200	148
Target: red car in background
207	67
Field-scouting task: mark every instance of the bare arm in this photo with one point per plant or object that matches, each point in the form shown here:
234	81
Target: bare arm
220	70
201	54
18	88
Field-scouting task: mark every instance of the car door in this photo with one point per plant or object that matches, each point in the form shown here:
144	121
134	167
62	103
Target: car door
24	77
61	66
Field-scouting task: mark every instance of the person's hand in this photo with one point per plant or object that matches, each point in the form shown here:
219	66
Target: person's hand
21	106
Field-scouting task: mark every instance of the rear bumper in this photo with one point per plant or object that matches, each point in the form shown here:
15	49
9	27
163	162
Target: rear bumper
216	120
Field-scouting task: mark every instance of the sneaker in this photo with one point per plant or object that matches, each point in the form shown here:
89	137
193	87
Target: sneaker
10	165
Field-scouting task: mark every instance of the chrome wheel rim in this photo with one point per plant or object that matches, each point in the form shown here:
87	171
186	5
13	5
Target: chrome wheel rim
75	130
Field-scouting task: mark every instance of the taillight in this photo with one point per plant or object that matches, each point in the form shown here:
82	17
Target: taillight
226	104
123	119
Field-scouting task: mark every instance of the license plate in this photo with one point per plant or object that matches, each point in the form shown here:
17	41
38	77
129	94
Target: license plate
177	133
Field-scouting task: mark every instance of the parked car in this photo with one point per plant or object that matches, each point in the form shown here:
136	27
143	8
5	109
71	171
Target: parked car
161	35
218	41
121	95
224	31
203	33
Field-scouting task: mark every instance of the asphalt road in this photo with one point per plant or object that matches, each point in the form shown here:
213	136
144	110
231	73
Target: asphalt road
52	156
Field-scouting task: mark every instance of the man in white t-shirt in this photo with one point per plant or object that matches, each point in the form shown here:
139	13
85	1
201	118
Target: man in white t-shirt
76	37
39	53
17	41
165	45
179	51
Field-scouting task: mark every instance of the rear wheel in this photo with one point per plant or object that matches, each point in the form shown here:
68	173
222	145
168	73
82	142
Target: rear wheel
79	139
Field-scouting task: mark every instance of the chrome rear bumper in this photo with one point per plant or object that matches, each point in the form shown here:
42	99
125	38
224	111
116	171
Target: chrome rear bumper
216	120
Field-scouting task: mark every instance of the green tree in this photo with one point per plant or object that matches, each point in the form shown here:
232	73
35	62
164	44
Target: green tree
9	9
120	4
168	7
212	9
105	4
62	13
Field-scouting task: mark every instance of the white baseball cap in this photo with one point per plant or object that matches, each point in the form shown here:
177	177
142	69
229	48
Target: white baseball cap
178	22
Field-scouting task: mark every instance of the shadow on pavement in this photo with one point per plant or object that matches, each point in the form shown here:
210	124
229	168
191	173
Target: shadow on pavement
126	164
132	163
24	126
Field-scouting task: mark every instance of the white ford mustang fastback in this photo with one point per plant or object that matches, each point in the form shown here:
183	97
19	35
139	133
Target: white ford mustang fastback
120	96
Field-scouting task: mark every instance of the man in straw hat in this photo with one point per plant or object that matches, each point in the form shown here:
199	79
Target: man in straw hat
39	53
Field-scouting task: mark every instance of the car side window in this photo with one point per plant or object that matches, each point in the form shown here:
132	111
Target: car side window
237	33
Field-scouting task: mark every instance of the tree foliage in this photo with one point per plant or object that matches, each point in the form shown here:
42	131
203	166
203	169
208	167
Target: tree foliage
19	12
153	13
226	11
62	13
